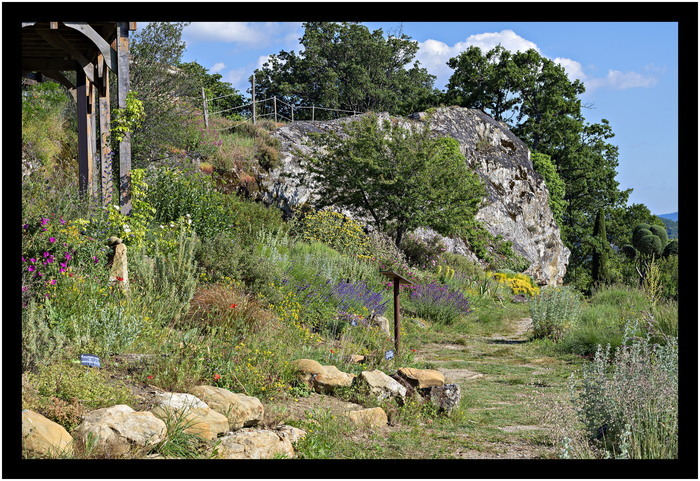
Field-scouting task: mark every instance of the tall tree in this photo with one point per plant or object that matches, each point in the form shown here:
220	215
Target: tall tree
398	178
227	97
167	95
601	248
345	66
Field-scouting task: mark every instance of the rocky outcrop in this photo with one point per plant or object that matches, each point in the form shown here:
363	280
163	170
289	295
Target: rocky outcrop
322	379
249	443
517	202
241	410
193	413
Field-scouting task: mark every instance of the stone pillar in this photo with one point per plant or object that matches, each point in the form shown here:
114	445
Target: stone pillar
118	273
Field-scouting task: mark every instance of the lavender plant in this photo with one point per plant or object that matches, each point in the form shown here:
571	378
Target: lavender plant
357	295
439	303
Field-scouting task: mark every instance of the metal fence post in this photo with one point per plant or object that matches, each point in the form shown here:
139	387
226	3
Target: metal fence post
206	112
253	99
274	103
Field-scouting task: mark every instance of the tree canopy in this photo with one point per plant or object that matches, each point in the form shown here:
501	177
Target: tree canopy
345	66
398	178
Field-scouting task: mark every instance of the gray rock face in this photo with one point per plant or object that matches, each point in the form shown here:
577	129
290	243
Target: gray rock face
517	202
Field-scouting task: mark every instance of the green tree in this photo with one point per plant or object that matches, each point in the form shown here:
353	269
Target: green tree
167	94
398	178
345	66
214	88
601	248
557	190
648	244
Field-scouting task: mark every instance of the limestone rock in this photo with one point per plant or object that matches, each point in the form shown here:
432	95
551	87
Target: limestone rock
517	202
372	418
42	437
356	359
119	428
291	433
331	378
239	409
322	379
382	323
249	443
421	378
380	385
199	418
519	299
446	397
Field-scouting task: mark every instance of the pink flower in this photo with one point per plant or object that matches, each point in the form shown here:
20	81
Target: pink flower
31	268
33	260
52	239
44	221
52	282
68	256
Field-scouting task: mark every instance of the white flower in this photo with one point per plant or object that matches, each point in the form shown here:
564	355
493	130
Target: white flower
116	207
127	228
162	226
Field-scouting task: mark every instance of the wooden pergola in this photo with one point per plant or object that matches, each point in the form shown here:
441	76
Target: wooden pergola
91	49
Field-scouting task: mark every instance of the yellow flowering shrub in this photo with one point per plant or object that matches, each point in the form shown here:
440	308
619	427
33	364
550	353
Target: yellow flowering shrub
518	283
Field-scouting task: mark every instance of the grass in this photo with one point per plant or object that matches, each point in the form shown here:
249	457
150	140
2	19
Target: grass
235	304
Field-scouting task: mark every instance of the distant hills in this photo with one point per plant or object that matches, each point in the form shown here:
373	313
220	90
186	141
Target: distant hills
671	216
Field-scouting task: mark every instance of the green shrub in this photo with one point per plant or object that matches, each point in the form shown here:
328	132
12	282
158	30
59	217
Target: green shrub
163	285
629	400
553	312
422	254
335	230
462	265
41	344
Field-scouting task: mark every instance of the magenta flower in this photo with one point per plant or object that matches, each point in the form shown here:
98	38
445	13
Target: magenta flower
23	259
47	254
61	220
52	282
31	268
68	256
61	270
52	239
94	258
44	221
39	274
64	264
32	259
25	226
25	288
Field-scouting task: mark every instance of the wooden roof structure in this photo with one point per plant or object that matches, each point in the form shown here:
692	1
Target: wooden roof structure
92	50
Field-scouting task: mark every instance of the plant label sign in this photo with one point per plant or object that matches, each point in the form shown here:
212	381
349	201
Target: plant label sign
389	355
353	322
90	360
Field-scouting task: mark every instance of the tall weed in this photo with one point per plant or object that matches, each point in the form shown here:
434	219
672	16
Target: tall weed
554	311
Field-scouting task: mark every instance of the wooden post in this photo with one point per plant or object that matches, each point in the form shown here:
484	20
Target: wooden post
105	150
397	317
312	112
274	103
292	113
92	139
84	166
206	111
122	90
253	99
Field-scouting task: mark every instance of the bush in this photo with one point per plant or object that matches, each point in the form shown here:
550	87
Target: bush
41	344
335	230
439	303
518	283
553	312
422	254
629	401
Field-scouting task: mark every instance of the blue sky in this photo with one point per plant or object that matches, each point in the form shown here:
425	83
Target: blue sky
630	70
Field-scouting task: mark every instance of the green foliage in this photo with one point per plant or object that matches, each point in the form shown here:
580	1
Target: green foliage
422	254
671	227
629	400
67	380
41	344
126	120
601	248
345	66
214	88
554	311
400	179
671	248
163	284
557	190
337	231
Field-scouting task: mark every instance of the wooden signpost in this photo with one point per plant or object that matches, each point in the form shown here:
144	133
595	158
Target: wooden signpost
398	280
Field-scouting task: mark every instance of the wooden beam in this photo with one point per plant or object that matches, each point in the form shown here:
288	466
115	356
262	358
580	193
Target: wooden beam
84	167
55	39
122	91
34	64
108	52
91	139
132	26
105	149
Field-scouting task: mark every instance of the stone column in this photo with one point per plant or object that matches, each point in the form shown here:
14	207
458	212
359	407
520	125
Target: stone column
118	274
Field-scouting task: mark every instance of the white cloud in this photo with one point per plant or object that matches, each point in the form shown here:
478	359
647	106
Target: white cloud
617	80
507	38
237	75
247	33
217	67
574	69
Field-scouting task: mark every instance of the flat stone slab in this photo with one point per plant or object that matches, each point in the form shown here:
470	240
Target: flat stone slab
456	375
515	429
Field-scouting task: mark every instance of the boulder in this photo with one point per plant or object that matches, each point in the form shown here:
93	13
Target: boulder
291	433
446	398
248	443
421	378
516	205
194	413
382	323
119	428
379	385
519	299
240	410
372	418
331	378
356	359
42	437
322	379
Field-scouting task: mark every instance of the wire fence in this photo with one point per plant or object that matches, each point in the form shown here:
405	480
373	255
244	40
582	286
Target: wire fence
272	108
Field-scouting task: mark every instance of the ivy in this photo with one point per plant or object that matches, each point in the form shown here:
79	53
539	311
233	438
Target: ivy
128	119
